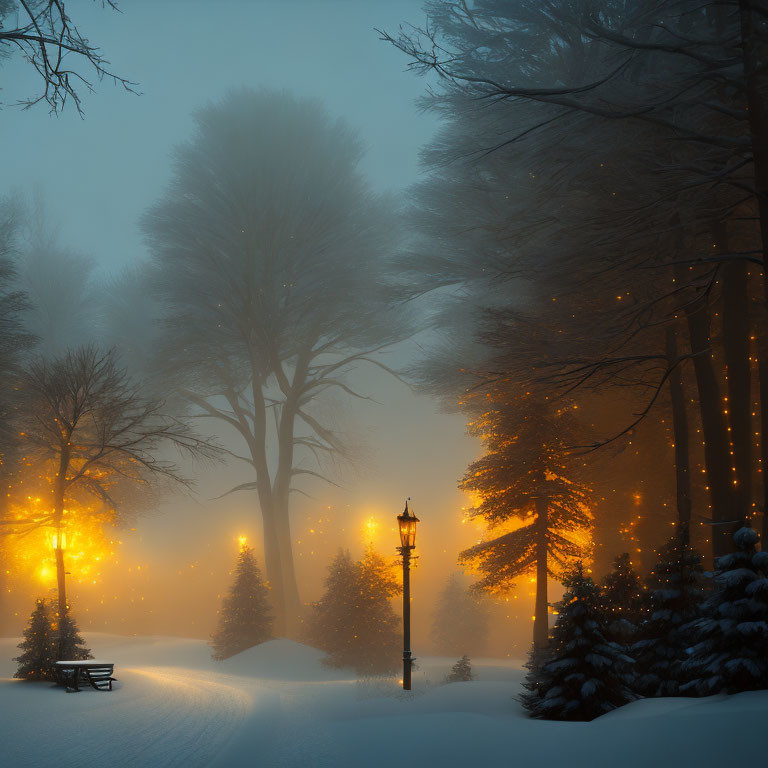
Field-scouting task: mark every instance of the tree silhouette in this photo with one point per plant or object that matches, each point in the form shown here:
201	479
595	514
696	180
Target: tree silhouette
271	253
523	480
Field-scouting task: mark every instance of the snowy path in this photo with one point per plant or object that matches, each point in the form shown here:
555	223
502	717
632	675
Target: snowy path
275	706
157	717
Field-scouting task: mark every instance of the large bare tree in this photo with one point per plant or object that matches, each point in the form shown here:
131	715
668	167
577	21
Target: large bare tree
271	254
84	424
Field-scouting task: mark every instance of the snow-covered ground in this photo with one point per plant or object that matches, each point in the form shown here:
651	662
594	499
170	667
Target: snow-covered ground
275	705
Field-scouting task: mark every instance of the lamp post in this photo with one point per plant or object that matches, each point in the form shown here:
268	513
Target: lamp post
407	526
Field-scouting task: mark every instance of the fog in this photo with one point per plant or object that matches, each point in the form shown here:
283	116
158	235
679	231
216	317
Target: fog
98	173
383	381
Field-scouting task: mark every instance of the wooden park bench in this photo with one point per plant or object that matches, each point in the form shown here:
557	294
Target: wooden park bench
97	673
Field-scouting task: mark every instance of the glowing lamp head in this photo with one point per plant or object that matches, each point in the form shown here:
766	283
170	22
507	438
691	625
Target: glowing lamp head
407	524
242	541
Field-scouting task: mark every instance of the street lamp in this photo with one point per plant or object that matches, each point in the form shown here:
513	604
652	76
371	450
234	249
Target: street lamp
407	525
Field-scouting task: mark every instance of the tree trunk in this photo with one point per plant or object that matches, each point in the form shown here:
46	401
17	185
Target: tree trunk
716	453
736	333
288	572
754	15
257	444
681	436
59	490
273	565
541	620
754	39
762	353
281	489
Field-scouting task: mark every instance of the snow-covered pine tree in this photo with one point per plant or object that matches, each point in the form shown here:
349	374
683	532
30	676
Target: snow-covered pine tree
622	601
460	622
673	599
523	480
69	643
535	681
354	622
730	653
461	672
582	675
246	617
38	647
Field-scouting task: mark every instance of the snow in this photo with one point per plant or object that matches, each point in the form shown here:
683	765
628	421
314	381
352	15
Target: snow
276	705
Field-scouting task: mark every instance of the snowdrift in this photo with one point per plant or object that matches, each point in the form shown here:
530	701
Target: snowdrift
277	705
280	659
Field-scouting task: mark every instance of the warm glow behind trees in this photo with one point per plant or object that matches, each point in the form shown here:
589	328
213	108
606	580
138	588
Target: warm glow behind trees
90	441
538	517
272	253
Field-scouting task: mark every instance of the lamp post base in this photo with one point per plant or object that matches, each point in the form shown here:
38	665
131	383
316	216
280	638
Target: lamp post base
407	670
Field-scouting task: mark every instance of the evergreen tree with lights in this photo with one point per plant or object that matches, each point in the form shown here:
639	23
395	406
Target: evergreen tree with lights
39	647
673	600
730	649
461	672
582	674
522	479
460	622
70	644
623	601
246	617
354	622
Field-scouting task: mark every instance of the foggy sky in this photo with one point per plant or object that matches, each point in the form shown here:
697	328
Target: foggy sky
99	174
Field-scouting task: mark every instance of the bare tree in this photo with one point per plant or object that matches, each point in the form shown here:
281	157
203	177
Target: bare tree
87	427
271	256
45	35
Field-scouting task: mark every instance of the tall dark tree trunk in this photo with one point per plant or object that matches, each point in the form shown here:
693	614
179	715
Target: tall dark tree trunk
290	585
256	436
281	488
736	343
681	436
541	620
762	357
713	421
754	39
59	491
273	565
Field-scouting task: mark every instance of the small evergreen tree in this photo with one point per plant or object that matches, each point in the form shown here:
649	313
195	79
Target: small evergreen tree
461	672
622	601
39	646
534	679
673	599
582	675
245	619
460	622
354	622
70	645
730	653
